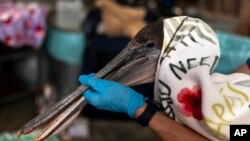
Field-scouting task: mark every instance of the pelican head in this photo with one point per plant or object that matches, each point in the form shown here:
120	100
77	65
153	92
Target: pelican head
135	64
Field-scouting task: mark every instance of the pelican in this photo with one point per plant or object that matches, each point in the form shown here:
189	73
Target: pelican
139	63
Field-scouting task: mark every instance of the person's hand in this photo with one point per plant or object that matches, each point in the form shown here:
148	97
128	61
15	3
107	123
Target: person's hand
121	20
111	96
245	68
124	13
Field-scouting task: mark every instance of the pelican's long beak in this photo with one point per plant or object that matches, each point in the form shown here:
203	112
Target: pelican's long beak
136	64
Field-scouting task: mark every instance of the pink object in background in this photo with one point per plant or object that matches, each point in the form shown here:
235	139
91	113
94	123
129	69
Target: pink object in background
22	25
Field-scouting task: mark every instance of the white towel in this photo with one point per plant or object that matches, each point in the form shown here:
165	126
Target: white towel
188	89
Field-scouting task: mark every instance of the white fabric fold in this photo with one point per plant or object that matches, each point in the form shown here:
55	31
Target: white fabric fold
188	89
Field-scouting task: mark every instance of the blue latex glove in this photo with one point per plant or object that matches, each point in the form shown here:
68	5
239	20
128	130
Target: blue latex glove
111	96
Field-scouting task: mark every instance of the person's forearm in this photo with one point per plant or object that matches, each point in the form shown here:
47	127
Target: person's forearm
168	130
245	68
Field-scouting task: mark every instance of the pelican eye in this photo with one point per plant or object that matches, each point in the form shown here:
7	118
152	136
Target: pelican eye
150	44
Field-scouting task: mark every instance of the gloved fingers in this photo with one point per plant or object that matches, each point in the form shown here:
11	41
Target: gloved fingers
93	82
92	74
91	97
88	80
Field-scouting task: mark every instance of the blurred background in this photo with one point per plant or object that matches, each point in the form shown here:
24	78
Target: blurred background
46	44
